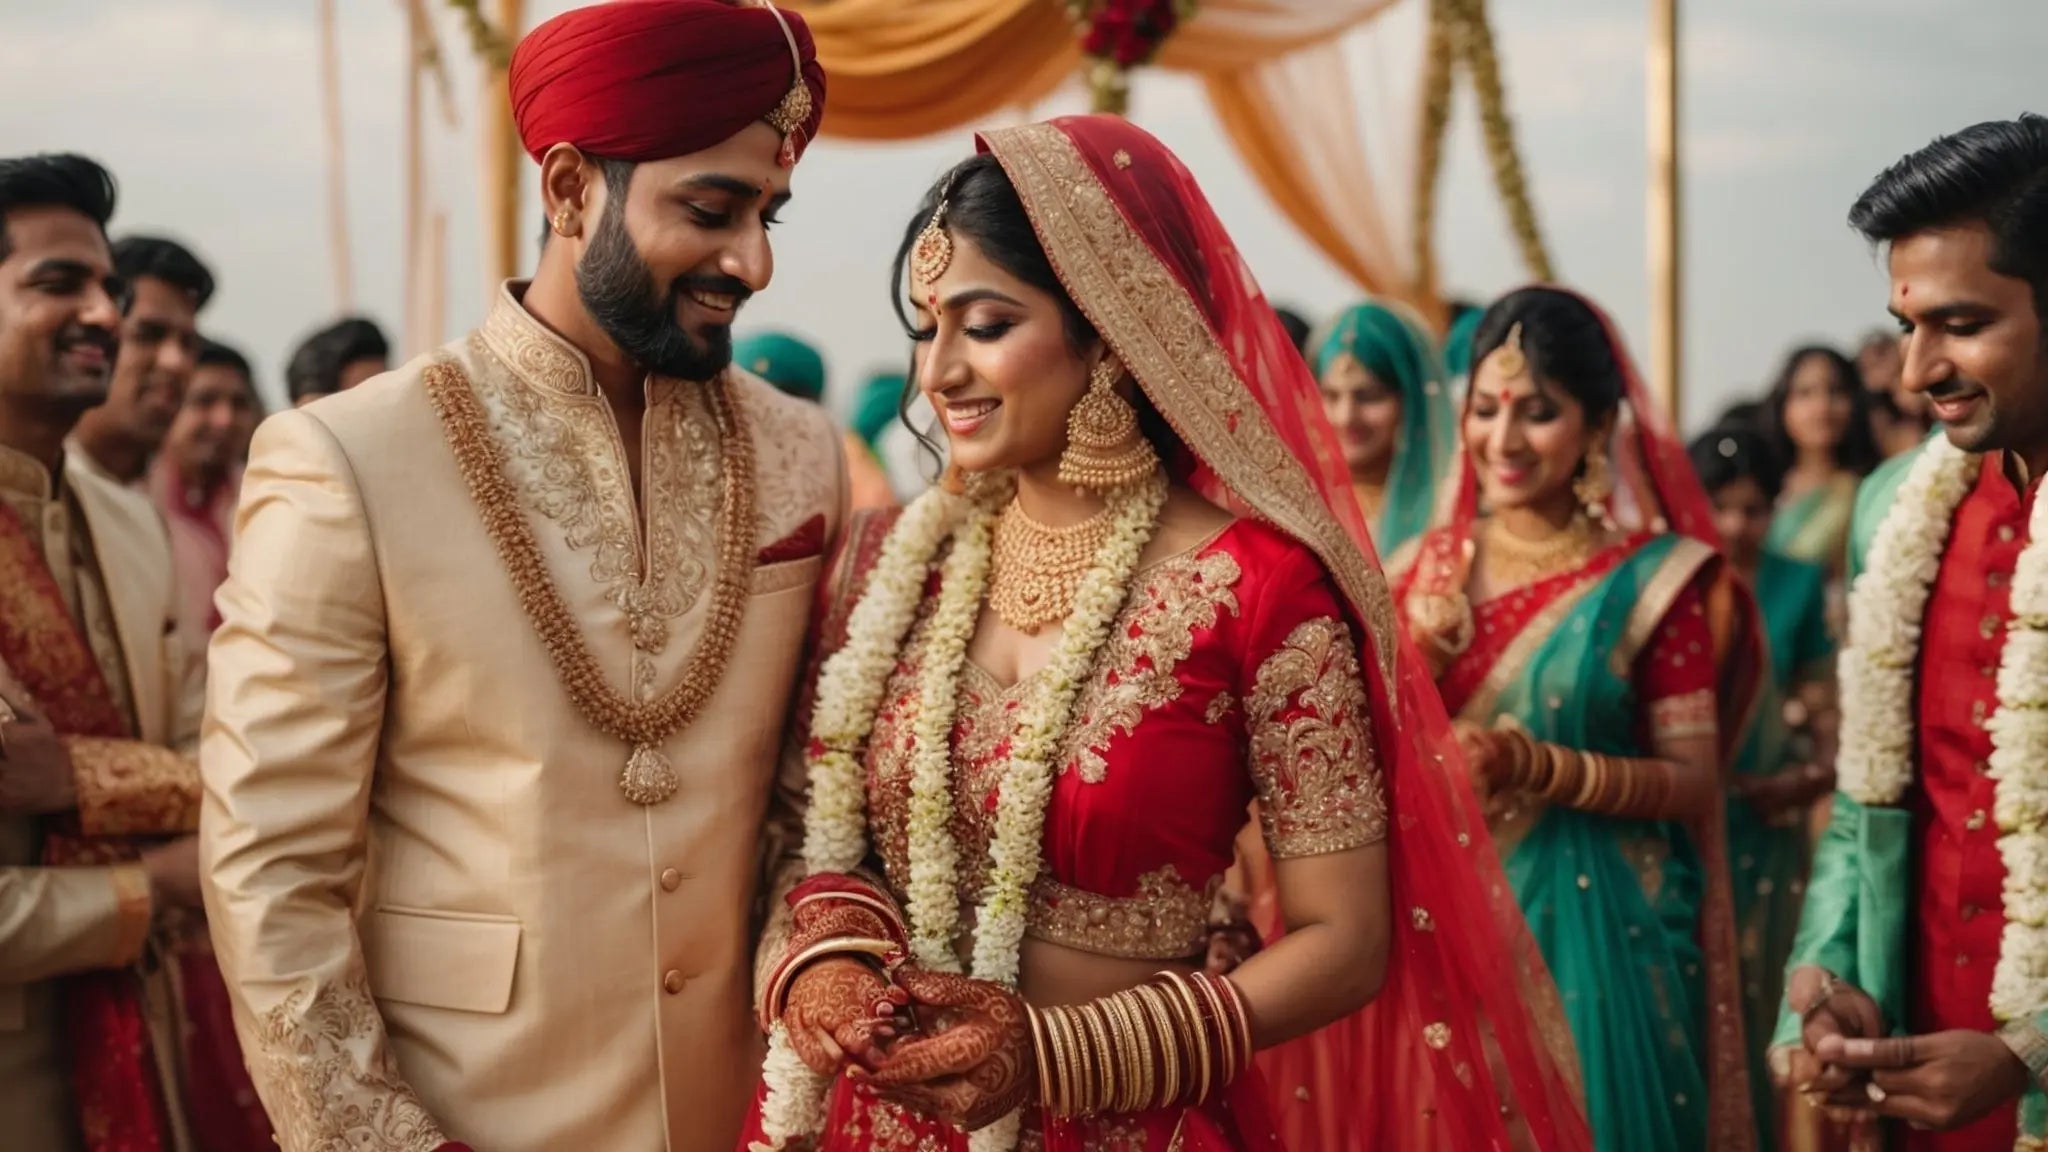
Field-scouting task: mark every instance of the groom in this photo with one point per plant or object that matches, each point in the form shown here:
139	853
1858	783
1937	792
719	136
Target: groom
507	640
1919	984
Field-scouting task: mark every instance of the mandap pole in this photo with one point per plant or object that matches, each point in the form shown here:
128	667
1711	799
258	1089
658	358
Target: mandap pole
501	162
1666	255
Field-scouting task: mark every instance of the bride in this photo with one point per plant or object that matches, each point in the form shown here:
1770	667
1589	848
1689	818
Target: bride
1143	603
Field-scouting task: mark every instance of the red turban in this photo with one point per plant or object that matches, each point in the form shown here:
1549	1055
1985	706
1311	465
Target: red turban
650	79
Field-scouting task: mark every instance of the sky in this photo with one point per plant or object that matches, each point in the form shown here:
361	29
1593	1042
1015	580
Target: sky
209	113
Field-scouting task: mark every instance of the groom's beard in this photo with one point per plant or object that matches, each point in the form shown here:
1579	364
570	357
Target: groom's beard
618	290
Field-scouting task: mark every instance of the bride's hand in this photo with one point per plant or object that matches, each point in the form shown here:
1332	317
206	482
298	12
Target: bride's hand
974	1065
838	1013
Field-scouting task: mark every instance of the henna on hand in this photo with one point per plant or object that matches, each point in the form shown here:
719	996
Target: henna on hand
973	1071
836	998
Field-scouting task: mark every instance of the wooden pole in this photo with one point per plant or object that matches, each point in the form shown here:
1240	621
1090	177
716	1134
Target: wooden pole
1666	252
409	260
502	155
337	176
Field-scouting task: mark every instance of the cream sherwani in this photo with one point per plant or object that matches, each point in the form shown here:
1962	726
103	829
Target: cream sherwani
106	550
438	914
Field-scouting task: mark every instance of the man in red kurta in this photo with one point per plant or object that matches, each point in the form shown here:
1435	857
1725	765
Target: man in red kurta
1891	1000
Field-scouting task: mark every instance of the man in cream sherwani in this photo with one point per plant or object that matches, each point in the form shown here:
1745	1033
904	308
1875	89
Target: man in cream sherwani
508	639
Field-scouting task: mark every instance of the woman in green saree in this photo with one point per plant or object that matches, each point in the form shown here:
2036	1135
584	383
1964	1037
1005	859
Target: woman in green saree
1384	392
1818	420
1784	758
1587	637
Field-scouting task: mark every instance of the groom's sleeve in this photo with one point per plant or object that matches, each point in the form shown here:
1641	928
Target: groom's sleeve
296	698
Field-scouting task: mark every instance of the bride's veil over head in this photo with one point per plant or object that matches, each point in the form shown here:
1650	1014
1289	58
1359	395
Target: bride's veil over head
1449	1055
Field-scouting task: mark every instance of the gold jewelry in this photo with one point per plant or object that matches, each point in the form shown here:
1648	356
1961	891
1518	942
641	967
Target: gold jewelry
565	221
932	254
1513	561
1105	450
647	778
1034	570
1595	486
1509	357
788	116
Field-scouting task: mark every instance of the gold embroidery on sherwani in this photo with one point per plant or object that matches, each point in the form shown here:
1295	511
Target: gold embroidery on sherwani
648	778
337	1087
562	449
1156	327
128	788
1317	773
1144	652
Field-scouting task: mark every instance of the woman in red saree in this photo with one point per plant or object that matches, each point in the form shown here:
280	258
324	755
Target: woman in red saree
1589	641
1047	701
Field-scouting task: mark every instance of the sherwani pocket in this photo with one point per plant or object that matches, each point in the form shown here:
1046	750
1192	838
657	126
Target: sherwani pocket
462	961
781	577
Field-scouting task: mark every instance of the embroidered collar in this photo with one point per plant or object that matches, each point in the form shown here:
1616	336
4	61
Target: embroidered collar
24	475
539	356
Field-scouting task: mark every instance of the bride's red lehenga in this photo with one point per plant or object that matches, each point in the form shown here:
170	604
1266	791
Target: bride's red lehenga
1264	663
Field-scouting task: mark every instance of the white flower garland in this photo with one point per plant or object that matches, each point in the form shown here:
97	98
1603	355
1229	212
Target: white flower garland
849	694
1879	721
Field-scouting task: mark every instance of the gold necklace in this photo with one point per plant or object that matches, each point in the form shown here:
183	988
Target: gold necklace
1513	561
648	777
1034	569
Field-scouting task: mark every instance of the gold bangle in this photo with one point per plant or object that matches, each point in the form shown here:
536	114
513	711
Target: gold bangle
1204	1056
1038	1052
1132	1069
1159	1022
1241	1017
1072	1054
1226	1040
1141	1050
1104	1085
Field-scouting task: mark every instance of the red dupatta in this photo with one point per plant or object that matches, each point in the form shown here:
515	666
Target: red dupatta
116	1082
1448	1055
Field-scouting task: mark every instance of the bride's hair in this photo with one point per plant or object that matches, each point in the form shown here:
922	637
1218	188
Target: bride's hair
1564	342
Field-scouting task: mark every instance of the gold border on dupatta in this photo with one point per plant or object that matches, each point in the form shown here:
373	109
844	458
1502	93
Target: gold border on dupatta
1677	570
1154	326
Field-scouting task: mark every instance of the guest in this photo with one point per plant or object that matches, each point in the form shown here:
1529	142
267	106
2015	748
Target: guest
1297	326
1574	605
196	479
1383	390
167	286
1817	419
114	1029
336	359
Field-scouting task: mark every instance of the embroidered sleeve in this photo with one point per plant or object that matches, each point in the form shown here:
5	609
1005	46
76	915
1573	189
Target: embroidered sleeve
1675	671
129	788
333	1083
55	921
1312	756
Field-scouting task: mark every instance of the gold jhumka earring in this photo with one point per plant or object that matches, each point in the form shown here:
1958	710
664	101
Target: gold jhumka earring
1105	450
1595	486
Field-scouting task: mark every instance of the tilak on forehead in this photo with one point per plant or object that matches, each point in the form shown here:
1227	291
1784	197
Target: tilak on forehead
643	80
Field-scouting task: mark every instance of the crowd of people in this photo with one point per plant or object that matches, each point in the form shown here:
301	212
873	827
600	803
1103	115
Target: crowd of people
1151	722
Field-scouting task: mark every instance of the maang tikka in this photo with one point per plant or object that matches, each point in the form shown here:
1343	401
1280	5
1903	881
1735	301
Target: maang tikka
1105	450
932	253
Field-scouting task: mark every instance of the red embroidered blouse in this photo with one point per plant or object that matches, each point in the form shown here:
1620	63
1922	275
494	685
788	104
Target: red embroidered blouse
1230	675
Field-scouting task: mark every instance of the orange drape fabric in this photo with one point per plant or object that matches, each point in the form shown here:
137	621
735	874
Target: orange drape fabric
1274	74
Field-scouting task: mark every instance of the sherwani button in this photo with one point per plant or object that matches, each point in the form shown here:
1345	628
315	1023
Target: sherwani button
672	982
671	879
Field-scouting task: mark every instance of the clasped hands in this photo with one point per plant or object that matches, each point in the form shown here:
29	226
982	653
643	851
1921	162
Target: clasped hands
936	1042
1845	1064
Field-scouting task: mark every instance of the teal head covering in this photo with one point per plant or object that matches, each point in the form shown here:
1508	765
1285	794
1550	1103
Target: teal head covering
794	367
1458	341
879	400
1394	347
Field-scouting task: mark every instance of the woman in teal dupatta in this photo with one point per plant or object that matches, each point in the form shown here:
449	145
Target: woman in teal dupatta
1589	640
1384	392
1784	759
1818	422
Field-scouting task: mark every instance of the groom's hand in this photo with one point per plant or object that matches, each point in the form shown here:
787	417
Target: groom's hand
1943	1080
837	1014
1828	1007
976	1066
